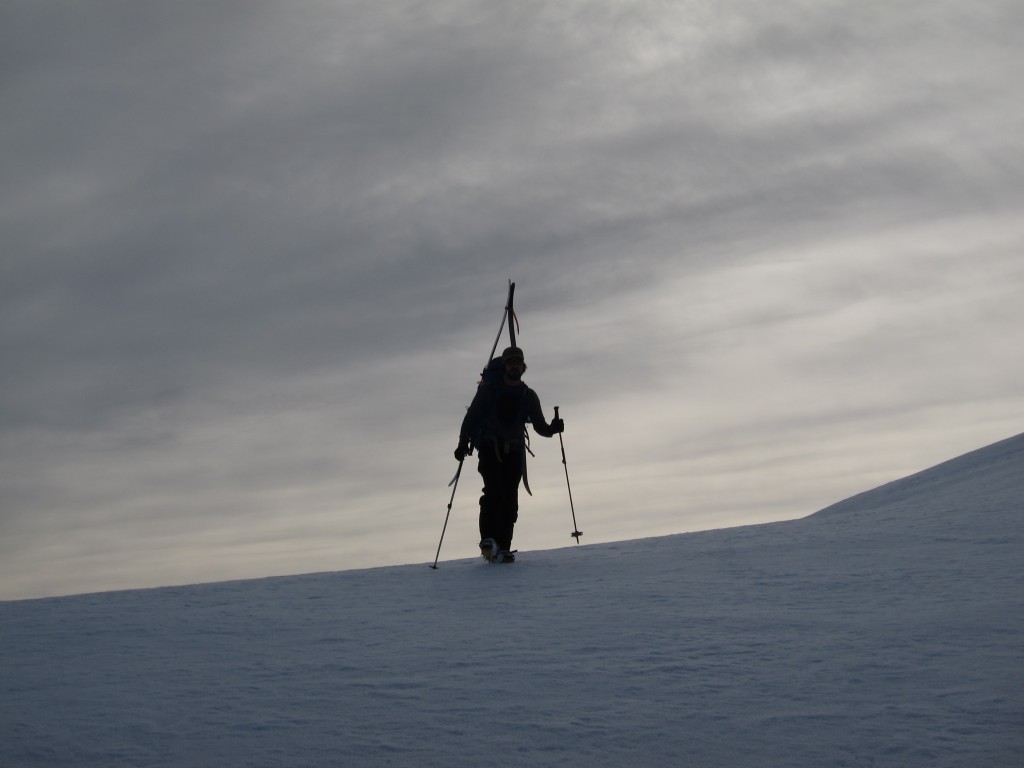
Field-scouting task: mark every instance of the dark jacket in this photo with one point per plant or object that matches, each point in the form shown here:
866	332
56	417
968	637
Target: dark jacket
500	412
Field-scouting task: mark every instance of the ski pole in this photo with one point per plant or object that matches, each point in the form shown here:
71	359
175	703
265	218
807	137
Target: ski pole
455	484
576	532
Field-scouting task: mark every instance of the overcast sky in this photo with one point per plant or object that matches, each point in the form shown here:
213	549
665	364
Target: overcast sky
254	255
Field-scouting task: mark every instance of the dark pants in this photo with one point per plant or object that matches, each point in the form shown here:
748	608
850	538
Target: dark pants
502	471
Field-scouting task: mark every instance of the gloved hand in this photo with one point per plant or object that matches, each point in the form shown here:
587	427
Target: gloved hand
557	426
462	450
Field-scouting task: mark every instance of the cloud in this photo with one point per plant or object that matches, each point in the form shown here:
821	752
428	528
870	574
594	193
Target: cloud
254	258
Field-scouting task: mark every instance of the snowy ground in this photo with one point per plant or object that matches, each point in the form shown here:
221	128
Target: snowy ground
884	631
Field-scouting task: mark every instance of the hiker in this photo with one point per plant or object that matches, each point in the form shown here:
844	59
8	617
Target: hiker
495	425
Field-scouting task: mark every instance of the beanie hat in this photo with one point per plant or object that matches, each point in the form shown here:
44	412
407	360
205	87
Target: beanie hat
511	353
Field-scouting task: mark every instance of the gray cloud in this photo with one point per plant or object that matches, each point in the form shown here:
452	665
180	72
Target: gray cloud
254	256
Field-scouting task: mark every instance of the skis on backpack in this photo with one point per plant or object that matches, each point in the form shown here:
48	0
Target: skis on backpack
513	324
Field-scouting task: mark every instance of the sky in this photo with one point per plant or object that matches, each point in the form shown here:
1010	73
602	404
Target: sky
254	257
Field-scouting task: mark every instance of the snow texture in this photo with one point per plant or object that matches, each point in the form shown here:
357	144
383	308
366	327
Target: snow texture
883	631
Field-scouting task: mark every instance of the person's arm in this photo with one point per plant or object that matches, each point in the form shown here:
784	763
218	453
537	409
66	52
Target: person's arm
470	422
535	415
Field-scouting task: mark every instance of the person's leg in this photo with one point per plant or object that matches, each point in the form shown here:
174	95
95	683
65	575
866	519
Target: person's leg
499	505
511	474
490	500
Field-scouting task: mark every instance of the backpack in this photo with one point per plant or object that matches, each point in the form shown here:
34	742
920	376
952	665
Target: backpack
492	372
491	377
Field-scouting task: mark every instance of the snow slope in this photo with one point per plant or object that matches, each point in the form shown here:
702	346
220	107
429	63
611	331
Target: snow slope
883	631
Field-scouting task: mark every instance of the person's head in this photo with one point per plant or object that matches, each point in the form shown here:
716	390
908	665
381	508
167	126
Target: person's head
514	363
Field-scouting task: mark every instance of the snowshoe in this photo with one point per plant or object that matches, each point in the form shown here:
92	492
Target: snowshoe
489	550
